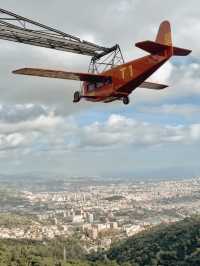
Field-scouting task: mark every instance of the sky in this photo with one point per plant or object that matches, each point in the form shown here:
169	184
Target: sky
157	135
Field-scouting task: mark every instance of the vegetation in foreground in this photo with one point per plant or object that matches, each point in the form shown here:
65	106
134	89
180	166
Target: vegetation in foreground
171	245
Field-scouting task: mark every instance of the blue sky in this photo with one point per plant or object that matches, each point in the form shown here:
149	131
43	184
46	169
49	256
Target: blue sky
157	135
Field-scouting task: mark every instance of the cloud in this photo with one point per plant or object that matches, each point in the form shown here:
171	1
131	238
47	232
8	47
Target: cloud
21	126
187	78
195	131
50	132
21	112
121	131
11	141
189	111
55	143
41	123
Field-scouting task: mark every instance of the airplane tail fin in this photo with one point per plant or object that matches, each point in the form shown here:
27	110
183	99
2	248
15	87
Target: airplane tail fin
164	35
163	44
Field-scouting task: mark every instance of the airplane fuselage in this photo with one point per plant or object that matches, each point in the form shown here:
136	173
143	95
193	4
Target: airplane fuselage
125	79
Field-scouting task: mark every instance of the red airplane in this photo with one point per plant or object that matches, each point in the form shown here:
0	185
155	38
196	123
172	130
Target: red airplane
118	82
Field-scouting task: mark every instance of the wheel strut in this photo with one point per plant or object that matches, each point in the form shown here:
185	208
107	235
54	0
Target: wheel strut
125	100
77	97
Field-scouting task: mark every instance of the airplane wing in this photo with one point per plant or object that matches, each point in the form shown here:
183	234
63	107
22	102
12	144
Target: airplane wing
62	74
153	86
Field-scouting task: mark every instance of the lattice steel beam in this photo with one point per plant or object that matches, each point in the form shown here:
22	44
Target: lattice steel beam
20	29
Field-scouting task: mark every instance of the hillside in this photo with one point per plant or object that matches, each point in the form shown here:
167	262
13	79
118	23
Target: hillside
165	245
175	244
47	253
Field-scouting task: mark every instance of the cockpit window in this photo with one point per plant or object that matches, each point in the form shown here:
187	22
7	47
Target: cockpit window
107	82
99	84
92	86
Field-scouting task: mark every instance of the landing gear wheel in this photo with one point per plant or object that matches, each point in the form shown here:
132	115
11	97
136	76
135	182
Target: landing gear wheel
125	100
77	97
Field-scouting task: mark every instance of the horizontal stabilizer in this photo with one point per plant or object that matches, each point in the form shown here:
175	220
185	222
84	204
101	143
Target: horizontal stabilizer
153	86
180	51
62	75
151	47
158	48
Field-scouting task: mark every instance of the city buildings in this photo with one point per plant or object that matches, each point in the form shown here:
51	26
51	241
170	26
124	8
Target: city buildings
102	214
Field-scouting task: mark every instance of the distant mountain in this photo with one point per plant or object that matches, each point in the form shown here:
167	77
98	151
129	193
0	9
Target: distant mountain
177	244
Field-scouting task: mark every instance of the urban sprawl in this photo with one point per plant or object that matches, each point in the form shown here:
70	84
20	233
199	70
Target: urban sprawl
99	214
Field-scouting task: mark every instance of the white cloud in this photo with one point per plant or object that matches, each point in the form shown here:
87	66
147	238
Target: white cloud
12	141
51	132
163	74
195	131
119	131
185	110
41	123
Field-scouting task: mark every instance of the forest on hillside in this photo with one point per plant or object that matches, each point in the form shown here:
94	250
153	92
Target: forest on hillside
177	244
174	245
